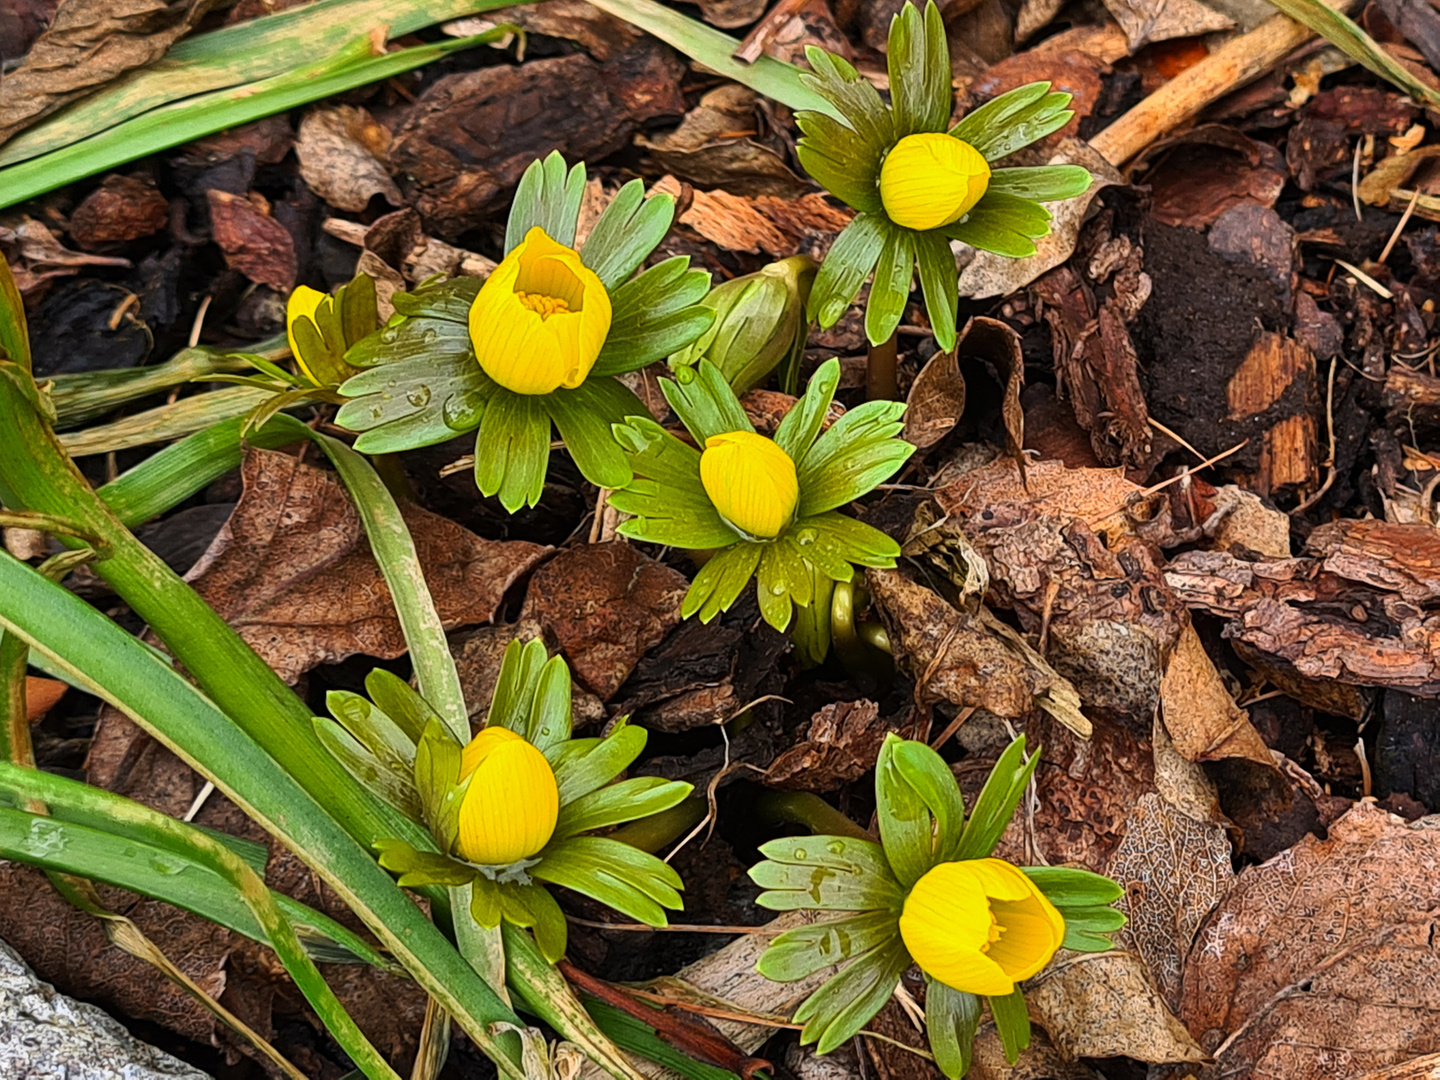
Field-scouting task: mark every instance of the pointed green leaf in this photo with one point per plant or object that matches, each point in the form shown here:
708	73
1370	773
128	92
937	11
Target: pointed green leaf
997	802
1072	887
420	868
1042	183
437	781
891	288
919	59
846	266
653	315
826	873
798	431
799	953
951	1017
1012	1023
782	579
413	403
841	1007
446	300
871	126
720	581
389	778
858	452
631	227
918	805
632	882
584	417
585	765
548	724
627	800
512	449
840	541
939	279
1014	119
533	907
399	702
704	402
549	197
840	162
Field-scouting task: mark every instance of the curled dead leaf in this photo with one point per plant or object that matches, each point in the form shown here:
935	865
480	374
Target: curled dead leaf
342	152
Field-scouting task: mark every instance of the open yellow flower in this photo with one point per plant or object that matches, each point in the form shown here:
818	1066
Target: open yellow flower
512	804
751	482
932	179
303	304
541	319
980	926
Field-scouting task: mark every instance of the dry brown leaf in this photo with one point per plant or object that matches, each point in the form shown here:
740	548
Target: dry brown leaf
1174	870
1421	1068
937	399
1099	497
254	243
949	653
716	146
1247	521
1322	962
604	606
342	151
292	572
1101	1005
1200	715
90	43
841	744
777	227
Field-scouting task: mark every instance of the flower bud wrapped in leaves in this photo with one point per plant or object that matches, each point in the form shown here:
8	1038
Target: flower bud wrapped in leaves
759	325
319	328
917	183
516	808
767	508
538	344
930	894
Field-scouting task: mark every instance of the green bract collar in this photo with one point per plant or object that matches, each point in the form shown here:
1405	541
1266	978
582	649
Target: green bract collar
847	157
425	385
833	467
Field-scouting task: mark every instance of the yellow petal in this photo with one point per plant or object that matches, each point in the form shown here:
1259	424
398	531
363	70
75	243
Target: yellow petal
512	804
303	303
541	319
751	482
980	926
932	179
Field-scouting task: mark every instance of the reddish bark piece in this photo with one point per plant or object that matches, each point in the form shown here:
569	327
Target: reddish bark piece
254	243
470	136
1201	174
764	223
292	572
122	208
605	606
1321	962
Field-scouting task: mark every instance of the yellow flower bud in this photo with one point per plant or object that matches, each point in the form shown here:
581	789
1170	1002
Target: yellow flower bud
980	926
303	304
512	804
541	318
751	482
932	179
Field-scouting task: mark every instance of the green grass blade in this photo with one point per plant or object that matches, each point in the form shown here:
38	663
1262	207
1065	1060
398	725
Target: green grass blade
86	395
773	78
165	422
167	478
171	125
127	675
42	841
244	53
1347	36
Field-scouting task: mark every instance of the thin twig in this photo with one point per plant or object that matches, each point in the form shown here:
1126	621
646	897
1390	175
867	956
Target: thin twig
1330	458
1174	435
1399	226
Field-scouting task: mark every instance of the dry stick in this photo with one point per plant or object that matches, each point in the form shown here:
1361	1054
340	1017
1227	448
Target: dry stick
1237	62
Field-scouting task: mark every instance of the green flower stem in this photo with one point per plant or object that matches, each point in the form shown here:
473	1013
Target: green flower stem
880	381
86	395
808	809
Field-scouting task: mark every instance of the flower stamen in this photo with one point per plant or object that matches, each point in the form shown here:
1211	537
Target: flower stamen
544	306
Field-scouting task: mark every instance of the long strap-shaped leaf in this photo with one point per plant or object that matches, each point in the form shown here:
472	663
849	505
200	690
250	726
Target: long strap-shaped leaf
41	843
96	652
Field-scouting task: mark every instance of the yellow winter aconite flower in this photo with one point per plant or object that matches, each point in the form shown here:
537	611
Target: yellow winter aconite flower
512	803
303	304
541	318
751	482
980	926
932	179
